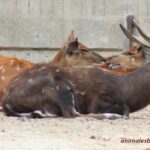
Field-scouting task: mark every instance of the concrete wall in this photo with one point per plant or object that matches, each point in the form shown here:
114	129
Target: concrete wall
47	23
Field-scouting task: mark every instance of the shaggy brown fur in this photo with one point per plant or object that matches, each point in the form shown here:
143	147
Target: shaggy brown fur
39	89
95	91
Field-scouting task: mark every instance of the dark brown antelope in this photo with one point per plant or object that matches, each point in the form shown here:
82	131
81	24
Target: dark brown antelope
42	91
44	88
95	91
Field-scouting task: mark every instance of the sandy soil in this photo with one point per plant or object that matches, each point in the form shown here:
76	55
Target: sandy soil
74	134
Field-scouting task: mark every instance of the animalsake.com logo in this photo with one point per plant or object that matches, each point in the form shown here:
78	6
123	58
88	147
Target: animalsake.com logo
132	140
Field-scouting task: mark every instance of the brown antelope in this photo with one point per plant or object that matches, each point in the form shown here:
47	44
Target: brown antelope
44	88
47	92
136	56
71	54
93	90
143	40
9	68
125	63
74	53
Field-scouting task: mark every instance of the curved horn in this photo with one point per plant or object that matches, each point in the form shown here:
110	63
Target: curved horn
134	38
147	38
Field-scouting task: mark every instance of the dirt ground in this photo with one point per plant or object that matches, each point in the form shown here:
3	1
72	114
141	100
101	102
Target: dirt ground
75	134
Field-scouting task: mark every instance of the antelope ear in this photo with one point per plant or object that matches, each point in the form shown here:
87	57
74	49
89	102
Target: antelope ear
71	36
72	46
137	47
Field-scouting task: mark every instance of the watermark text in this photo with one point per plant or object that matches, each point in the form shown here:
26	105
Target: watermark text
134	141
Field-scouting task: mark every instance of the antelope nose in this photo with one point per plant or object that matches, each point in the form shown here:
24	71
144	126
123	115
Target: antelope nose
109	64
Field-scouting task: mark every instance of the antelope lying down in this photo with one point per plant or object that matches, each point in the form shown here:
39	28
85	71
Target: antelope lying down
135	57
52	90
59	91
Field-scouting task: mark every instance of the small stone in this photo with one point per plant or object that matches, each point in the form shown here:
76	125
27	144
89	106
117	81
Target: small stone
92	137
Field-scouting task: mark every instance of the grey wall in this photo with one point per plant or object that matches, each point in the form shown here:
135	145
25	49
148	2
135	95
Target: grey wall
47	23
